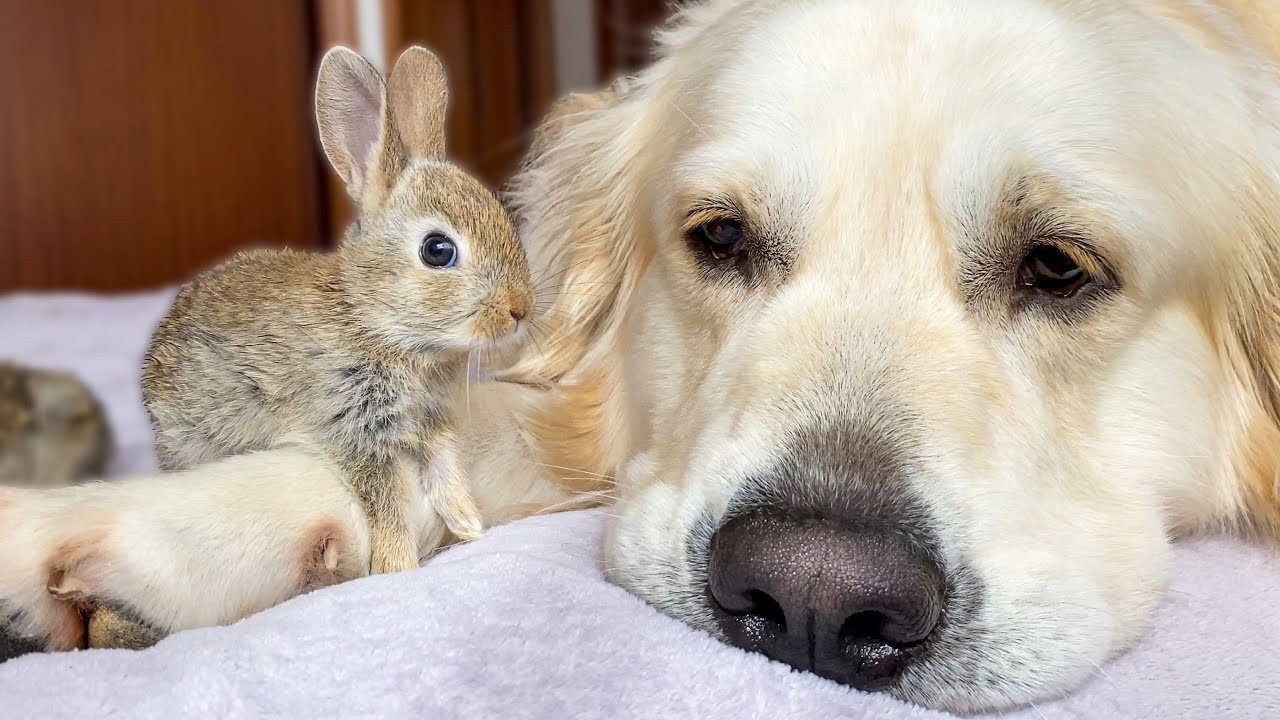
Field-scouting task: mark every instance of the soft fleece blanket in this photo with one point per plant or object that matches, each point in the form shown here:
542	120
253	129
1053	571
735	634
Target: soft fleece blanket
522	625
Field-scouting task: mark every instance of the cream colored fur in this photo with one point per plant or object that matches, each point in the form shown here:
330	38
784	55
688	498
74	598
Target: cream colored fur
885	147
217	543
882	143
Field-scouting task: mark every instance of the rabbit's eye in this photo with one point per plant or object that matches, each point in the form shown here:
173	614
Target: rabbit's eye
438	250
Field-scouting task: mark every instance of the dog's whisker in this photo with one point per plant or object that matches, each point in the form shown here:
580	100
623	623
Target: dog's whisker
691	122
564	270
577	470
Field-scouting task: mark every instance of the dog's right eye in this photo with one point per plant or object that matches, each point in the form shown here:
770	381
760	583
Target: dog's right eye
1048	270
721	237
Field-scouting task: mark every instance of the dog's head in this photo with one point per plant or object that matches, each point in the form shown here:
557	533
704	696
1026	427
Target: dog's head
912	331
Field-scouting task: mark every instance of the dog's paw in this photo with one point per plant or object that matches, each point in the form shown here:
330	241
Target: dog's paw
31	618
73	561
173	552
85	580
105	627
328	556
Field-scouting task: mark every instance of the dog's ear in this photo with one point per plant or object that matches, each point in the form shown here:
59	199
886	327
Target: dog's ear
566	113
576	201
1254	345
1251	346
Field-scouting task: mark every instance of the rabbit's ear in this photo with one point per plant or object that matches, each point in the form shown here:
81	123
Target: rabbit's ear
418	94
350	110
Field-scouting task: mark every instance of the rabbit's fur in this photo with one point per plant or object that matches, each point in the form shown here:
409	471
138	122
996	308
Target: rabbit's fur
53	431
359	352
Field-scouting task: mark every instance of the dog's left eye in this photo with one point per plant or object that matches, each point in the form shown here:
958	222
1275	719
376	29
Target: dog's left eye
1048	269
722	237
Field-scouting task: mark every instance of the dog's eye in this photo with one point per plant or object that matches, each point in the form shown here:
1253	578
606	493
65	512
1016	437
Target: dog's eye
722	237
437	250
1049	270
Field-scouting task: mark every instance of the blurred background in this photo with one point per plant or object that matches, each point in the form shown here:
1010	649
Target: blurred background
143	140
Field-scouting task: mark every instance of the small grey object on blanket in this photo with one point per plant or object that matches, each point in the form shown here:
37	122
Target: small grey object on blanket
522	624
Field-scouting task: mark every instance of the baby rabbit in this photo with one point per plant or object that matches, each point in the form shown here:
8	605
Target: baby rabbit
53	431
360	352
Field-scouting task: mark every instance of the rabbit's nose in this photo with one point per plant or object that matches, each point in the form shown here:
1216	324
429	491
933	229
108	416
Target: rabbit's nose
519	304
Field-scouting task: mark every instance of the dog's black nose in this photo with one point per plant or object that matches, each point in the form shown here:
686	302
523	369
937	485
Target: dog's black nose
849	602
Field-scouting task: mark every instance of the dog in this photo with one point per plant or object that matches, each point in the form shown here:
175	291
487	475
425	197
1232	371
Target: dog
905	334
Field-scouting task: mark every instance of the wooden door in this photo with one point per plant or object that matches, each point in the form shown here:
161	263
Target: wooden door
625	33
141	140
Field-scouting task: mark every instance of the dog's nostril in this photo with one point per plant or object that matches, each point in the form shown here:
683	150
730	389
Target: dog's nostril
900	628
865	625
754	604
767	609
849	603
757	615
875	664
867	640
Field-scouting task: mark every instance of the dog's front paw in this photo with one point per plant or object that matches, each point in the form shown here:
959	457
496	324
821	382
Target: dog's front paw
108	623
76	573
123	563
31	618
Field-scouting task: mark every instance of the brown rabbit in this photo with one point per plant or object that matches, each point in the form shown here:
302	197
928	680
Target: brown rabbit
53	431
359	352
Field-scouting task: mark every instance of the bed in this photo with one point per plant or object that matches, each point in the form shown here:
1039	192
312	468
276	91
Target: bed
522	624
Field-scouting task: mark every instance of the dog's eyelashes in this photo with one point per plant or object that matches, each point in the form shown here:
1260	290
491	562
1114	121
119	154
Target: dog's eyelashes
1048	269
722	237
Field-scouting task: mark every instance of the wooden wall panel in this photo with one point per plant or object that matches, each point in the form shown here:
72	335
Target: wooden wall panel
625	33
141	140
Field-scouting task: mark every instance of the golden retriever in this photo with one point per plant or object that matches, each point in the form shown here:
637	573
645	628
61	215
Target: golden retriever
911	331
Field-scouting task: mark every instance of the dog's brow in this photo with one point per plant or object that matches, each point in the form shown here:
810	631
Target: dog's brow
720	203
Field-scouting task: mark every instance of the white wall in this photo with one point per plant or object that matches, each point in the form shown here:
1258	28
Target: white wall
371	33
574	28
